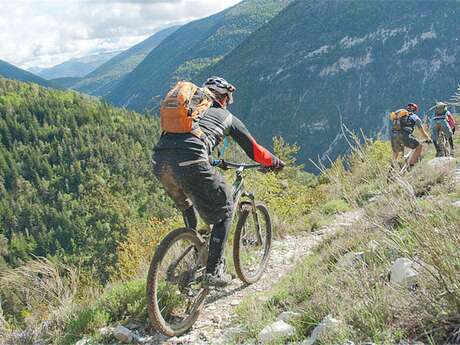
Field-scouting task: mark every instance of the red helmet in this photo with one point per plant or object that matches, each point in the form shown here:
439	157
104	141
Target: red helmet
412	107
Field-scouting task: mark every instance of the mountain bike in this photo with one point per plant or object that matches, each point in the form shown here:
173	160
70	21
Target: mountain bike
175	294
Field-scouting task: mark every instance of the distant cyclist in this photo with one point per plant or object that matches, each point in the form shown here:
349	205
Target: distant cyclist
452	122
404	121
181	163
442	120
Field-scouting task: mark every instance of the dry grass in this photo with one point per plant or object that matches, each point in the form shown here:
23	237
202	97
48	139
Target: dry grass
40	280
37	296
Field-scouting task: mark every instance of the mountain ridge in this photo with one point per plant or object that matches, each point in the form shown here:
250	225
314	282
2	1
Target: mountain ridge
106	76
10	71
75	67
190	49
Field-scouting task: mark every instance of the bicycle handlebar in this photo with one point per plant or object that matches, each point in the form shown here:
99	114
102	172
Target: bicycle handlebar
229	165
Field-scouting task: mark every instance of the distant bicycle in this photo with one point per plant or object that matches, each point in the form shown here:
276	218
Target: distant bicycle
442	142
175	294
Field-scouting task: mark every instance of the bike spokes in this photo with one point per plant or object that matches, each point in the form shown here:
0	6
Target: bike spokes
252	244
179	281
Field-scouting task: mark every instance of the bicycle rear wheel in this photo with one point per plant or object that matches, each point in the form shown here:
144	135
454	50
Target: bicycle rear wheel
251	250
174	292
442	144
445	146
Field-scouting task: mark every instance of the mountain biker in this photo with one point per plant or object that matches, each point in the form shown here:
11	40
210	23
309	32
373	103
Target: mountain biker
181	162
441	119
404	123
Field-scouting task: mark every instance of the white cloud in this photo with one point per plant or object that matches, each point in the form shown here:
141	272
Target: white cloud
46	32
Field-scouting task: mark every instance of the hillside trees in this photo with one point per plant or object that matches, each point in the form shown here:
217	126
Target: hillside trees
74	176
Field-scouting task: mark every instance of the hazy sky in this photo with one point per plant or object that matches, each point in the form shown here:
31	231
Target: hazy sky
46	32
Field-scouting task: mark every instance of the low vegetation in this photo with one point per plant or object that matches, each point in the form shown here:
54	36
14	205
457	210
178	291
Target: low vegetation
405	217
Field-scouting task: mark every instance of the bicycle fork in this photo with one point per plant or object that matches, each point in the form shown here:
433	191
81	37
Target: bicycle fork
255	216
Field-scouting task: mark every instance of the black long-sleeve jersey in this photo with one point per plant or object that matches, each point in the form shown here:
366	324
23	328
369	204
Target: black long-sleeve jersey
216	124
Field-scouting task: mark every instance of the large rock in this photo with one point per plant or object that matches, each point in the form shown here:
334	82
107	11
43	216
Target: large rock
287	316
442	163
326	324
123	334
404	272
351	259
456	203
276	330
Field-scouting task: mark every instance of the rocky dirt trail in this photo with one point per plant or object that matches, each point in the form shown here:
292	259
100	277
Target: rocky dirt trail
216	324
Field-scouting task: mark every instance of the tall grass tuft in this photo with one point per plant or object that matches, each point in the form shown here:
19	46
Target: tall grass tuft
38	283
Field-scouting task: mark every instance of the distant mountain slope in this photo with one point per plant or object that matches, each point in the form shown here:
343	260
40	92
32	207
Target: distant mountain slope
75	68
191	48
103	79
322	62
10	71
66	82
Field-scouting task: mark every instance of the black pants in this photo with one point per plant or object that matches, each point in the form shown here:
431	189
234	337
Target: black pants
193	183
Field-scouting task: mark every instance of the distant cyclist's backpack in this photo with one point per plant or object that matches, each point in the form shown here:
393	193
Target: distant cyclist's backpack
183	106
396	117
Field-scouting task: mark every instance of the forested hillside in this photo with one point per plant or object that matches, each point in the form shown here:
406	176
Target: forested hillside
74	176
190	49
8	70
320	63
103	79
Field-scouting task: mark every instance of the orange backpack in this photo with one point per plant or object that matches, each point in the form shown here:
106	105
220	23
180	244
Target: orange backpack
396	115
183	106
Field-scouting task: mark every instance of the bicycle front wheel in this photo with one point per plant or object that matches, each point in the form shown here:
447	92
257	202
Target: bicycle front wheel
252	243
174	292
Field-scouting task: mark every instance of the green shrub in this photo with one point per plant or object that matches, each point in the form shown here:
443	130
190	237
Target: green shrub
126	300
87	321
335	206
